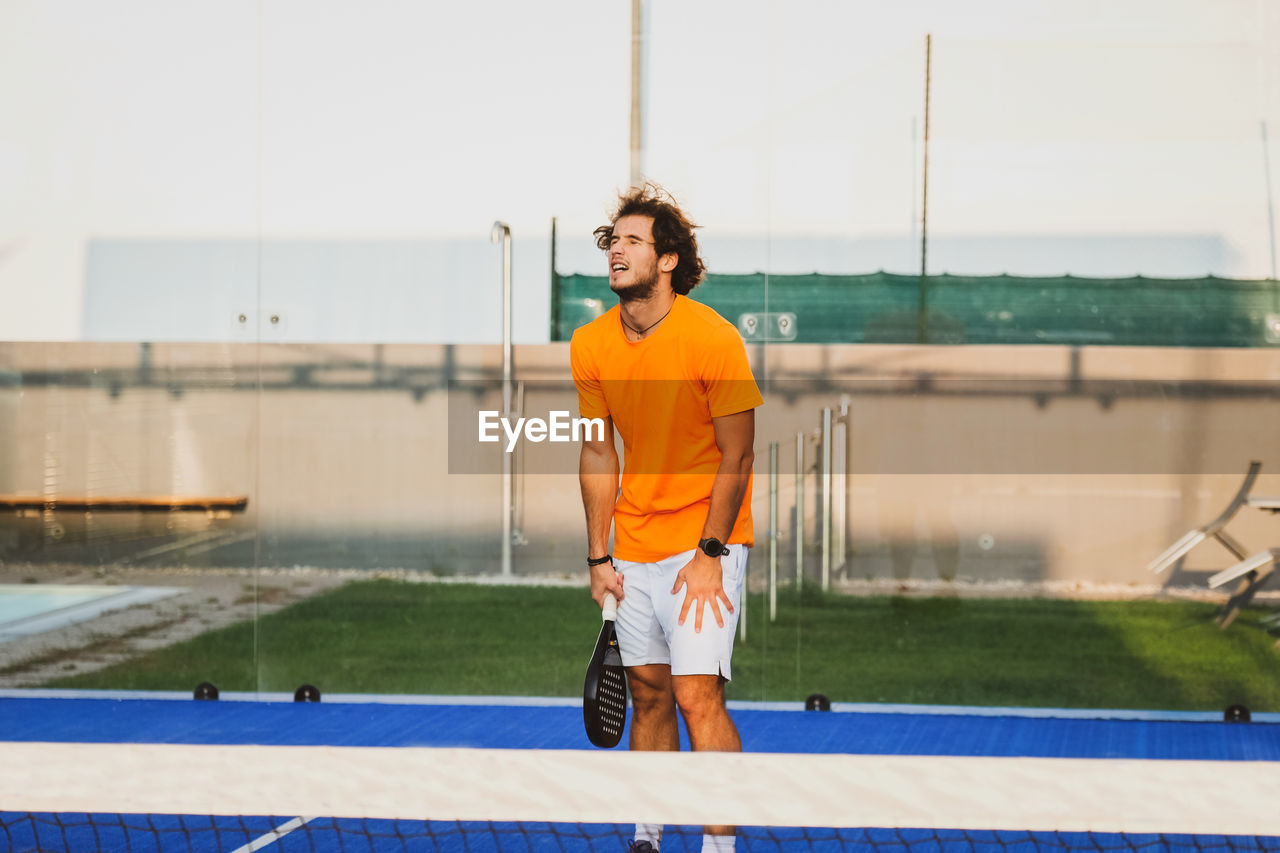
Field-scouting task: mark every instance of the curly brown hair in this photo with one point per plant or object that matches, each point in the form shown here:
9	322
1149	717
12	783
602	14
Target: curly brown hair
672	232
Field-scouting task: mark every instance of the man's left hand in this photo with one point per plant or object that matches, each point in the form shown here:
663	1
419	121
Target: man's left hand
704	578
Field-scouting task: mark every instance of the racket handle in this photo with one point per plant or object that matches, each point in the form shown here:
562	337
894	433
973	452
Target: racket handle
609	612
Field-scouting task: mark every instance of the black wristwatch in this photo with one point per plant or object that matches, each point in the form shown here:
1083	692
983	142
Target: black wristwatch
712	547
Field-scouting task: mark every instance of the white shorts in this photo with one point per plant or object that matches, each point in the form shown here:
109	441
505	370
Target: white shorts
648	614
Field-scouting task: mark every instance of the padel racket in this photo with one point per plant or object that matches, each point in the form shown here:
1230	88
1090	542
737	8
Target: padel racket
604	696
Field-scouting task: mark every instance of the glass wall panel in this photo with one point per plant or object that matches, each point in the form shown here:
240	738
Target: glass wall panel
987	468
393	140
128	418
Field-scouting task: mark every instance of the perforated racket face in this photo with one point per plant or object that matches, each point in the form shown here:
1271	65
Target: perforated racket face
612	703
604	700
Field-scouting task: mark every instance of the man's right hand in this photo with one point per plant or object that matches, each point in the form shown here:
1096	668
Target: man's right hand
604	580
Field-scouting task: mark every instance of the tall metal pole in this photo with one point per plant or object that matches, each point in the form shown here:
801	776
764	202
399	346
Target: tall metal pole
501	232
638	79
922	318
555	287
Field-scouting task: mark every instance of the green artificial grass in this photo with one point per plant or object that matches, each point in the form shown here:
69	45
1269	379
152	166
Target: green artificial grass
1166	655
395	637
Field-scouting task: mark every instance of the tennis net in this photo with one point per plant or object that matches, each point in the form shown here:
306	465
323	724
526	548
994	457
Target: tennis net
168	797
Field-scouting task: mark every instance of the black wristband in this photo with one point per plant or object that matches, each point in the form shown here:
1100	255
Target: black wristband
600	561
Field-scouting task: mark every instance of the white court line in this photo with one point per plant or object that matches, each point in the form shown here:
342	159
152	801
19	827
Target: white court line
573	702
275	835
329	698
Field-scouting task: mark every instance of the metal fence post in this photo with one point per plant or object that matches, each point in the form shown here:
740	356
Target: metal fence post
840	490
501	233
799	522
826	499
773	531
742	605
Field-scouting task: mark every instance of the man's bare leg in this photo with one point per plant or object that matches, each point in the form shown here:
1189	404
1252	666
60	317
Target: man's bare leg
653	722
653	708
701	702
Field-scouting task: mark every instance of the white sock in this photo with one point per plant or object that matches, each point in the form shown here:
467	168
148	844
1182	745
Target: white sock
718	843
651	832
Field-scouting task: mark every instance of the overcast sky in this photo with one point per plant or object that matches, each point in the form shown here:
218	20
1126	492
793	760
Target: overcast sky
284	119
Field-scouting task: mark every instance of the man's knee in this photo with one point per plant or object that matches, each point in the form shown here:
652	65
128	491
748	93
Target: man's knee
651	690
699	696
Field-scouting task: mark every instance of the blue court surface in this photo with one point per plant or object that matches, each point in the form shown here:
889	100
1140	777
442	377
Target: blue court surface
557	724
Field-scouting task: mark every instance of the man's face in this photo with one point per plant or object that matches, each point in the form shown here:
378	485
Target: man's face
633	260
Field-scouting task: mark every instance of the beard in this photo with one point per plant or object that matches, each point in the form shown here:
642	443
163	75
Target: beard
640	289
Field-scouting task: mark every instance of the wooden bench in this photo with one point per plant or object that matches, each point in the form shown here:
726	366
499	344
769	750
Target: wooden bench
33	506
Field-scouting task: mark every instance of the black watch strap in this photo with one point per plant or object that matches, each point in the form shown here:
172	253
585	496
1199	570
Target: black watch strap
600	561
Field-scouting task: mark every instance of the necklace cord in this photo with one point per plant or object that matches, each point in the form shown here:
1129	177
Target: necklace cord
648	327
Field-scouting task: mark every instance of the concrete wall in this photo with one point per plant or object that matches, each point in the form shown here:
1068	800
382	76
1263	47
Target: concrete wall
1036	463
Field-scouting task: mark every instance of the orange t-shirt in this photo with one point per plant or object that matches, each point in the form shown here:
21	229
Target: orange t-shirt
662	393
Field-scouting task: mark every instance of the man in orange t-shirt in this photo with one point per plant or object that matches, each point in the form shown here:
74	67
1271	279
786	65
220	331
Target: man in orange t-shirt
672	377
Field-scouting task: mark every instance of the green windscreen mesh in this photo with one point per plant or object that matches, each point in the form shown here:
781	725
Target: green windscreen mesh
1000	309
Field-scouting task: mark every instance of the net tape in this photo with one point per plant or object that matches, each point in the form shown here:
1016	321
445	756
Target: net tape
151	797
